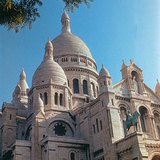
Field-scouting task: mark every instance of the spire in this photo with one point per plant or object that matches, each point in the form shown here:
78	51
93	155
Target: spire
157	88
65	20
104	72
48	51
123	64
23	75
131	61
21	90
22	82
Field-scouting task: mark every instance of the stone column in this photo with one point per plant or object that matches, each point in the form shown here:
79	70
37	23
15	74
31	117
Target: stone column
65	96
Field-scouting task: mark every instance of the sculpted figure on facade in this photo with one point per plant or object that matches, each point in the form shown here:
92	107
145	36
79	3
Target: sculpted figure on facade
135	84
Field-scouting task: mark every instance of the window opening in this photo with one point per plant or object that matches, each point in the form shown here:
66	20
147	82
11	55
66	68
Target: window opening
56	98
85	87
75	86
45	98
61	99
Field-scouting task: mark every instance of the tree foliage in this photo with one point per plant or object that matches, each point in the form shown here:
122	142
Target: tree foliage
15	14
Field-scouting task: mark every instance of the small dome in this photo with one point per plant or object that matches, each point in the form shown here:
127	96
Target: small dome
69	44
48	71
104	72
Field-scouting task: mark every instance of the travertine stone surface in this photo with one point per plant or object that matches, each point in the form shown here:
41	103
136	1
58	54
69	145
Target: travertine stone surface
73	113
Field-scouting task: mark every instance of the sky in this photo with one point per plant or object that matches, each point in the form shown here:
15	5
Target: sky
114	30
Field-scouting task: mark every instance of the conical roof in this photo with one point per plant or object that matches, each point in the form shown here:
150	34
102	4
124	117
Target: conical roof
157	88
104	72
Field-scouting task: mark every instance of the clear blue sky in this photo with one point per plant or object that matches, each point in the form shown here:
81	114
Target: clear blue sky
112	29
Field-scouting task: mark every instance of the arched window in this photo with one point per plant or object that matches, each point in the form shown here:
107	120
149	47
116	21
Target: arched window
93	90
61	99
157	122
143	117
75	86
85	87
72	156
156	118
45	98
158	130
156	157
56	98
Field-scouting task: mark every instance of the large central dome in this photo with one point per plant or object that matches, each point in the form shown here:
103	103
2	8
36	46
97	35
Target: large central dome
73	55
67	44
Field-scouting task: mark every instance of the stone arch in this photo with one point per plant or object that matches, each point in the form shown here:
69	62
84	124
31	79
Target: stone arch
155	156
122	103
134	73
72	155
157	122
146	106
144	118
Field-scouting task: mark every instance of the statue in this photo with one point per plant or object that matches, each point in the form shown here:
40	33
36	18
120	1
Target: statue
135	85
131	120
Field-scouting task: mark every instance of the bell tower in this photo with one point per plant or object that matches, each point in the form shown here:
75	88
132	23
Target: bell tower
134	77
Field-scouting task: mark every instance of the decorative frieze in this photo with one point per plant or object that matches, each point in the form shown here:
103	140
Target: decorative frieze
155	105
123	98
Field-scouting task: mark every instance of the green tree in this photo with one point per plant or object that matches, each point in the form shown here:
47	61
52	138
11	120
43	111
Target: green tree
16	14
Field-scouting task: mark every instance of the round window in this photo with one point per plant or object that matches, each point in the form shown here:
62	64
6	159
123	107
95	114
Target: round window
60	129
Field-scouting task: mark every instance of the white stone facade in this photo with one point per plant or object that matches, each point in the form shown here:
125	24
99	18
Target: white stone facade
72	112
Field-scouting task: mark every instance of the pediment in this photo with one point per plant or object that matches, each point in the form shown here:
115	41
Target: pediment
121	88
151	94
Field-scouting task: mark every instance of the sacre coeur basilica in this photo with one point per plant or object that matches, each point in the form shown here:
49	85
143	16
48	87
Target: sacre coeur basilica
72	112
